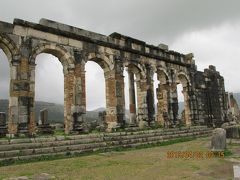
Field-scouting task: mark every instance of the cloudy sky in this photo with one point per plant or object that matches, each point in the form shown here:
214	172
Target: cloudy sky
209	29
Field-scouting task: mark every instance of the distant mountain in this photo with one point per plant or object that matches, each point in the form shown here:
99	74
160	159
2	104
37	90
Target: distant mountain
55	111
237	97
99	109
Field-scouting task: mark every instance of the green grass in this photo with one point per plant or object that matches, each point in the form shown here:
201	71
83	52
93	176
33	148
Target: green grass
117	149
227	153
145	163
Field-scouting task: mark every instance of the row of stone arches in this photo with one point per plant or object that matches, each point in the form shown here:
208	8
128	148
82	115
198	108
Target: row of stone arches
74	86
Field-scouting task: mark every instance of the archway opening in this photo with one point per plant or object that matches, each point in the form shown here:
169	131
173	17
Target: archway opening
49	88
130	91
181	103
183	90
4	83
126	97
95	93
156	84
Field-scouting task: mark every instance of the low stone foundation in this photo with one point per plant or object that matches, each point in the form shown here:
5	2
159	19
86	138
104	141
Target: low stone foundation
233	132
30	148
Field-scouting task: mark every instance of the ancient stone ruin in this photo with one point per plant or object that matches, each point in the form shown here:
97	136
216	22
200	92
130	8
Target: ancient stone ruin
218	141
205	101
3	123
43	124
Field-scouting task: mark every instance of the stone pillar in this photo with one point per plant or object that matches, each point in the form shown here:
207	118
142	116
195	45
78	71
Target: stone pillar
162	105
21	99
173	103
115	103
79	101
132	98
13	99
150	96
69	87
32	122
142	113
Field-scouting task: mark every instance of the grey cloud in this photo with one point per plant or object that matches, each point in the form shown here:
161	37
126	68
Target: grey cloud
209	29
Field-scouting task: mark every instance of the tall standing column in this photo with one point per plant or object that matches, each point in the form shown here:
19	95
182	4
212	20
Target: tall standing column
69	80
173	103
150	96
162	105
115	103
79	107
142	113
132	98
13	99
32	122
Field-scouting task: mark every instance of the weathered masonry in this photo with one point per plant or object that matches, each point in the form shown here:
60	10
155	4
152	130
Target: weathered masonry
204	93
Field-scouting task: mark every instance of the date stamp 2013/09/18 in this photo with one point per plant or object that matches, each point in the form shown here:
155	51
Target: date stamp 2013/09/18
194	154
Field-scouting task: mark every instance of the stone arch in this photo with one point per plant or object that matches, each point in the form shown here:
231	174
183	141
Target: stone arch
11	50
8	47
138	69
163	75
103	61
183	79
68	63
60	52
163	96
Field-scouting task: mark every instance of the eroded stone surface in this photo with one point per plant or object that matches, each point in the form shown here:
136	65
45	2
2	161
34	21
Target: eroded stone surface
218	141
204	92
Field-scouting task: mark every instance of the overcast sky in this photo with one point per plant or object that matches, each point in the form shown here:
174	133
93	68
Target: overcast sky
209	29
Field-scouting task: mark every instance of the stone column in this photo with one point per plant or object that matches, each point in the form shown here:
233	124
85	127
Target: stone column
13	99
22	98
142	113
69	87
162	105
187	110
31	105
173	103
115	103
79	100
150	96
132	98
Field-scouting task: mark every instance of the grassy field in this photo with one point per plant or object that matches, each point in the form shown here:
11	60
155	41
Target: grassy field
149	163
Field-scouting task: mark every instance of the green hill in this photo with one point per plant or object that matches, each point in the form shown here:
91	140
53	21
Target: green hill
55	111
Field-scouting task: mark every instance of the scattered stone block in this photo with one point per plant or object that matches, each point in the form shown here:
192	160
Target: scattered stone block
236	171
233	132
143	124
218	141
43	125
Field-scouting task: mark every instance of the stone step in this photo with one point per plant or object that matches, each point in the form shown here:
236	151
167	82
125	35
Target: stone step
78	149
100	135
94	146
51	142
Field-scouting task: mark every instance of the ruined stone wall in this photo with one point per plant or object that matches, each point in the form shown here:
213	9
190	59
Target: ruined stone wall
22	41
211	97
